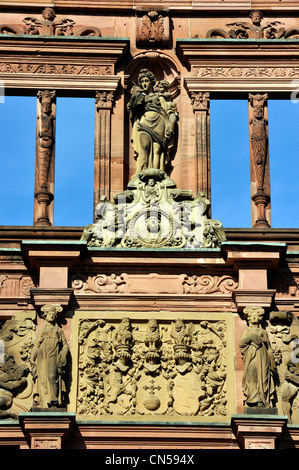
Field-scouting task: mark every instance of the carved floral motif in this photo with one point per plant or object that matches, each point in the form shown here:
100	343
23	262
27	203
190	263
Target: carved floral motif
246	72
133	368
55	69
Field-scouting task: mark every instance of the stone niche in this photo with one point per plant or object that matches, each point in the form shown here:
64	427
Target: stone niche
148	366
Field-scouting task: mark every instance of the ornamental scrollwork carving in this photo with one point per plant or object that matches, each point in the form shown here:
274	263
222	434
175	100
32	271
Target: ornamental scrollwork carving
206	284
49	25
101	283
133	368
152	212
254	30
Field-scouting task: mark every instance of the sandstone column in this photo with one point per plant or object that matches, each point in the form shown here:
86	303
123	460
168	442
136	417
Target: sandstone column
201	107
44	160
102	154
259	161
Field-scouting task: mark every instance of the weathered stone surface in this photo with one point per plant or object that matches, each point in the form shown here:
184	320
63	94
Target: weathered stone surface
152	212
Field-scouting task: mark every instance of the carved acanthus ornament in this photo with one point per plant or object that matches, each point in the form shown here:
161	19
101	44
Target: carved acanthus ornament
137	369
255	29
152	29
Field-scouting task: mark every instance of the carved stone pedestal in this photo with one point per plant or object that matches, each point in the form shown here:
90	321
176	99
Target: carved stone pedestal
258	431
44	198
46	430
261	200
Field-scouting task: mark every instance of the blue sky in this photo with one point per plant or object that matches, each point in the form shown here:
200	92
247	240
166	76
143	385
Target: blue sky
74	162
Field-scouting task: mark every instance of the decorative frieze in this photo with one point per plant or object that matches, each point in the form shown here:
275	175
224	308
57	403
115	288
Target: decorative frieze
245	72
55	69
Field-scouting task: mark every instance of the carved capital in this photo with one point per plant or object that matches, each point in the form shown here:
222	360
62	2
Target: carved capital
200	100
104	99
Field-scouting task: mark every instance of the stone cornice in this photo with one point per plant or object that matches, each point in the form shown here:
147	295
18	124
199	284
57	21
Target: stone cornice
66	62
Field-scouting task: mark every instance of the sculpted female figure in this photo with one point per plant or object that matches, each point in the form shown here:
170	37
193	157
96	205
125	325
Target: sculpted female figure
48	359
259	366
154	117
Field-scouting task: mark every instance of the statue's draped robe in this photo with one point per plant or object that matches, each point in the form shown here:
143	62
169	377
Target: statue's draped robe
51	347
258	385
150	116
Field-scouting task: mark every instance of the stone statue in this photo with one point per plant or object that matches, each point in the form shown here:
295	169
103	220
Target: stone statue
48	360
154	116
45	136
48	25
284	337
259	365
12	381
254	30
259	136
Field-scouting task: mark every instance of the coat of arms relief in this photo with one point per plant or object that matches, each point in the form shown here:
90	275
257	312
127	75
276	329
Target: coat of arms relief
150	368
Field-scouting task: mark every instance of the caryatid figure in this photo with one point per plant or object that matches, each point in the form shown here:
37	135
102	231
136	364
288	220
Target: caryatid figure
258	361
48	360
